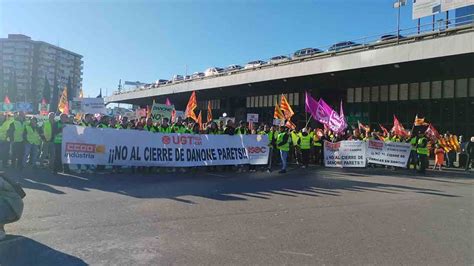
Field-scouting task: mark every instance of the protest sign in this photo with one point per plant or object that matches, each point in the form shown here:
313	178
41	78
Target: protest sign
140	112
43	108
93	106
160	111
96	146
345	154
252	118
388	153
24	107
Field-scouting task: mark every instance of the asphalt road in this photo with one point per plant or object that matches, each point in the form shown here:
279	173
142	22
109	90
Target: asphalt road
313	216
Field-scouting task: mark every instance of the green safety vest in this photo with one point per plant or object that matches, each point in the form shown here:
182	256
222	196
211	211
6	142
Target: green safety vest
413	143
241	131
269	134
164	129
47	130
32	135
149	128
58	138
3	130
422	147
286	146
294	138
19	131
316	141
101	125
305	142
178	129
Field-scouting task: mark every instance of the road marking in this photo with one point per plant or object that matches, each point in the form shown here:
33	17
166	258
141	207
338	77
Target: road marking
296	253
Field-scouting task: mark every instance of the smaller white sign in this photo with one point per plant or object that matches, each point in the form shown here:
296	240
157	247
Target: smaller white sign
93	106
252	118
388	153
454	4
424	8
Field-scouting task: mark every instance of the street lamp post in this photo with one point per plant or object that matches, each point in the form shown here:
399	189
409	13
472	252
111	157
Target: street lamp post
398	4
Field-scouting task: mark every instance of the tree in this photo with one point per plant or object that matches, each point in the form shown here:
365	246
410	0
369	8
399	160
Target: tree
2	85
46	90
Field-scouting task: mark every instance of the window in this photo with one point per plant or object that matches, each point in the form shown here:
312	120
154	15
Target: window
252	102
270	100
366	94
461	88
471	88
393	92
403	91
260	101
290	98
296	98
448	89
436	90
374	94
414	91
275	99
358	95
265	101
350	95
425	90
384	93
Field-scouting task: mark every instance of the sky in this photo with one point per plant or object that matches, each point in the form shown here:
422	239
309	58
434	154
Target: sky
147	40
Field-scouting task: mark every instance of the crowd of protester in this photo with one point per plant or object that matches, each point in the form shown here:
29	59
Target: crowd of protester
26	142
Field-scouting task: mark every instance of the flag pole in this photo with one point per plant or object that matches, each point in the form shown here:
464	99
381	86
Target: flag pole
307	121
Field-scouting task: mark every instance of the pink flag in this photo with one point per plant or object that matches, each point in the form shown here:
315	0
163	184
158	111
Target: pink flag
168	103
310	104
327	116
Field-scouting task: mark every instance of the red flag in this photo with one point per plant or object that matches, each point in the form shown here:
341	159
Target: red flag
278	114
385	131
168	103
290	124
432	133
63	105
148	111
285	107
6	100
398	128
199	120
363	127
192	104
209	112
173	116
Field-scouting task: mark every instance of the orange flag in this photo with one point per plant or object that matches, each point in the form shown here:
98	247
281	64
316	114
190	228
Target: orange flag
286	108
148	111
63	105
192	104
209	112
290	124
199	120
278	114
419	121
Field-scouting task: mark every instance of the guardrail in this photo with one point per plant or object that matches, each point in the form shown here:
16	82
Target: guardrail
407	35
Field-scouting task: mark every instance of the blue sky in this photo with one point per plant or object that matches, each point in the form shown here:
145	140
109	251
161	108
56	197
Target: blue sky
147	40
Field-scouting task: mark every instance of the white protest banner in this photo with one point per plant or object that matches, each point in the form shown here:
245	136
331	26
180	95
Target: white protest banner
346	153
252	118
159	111
96	146
93	106
388	153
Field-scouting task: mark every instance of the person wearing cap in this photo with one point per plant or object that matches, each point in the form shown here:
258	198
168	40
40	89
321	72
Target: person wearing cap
470	153
305	142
